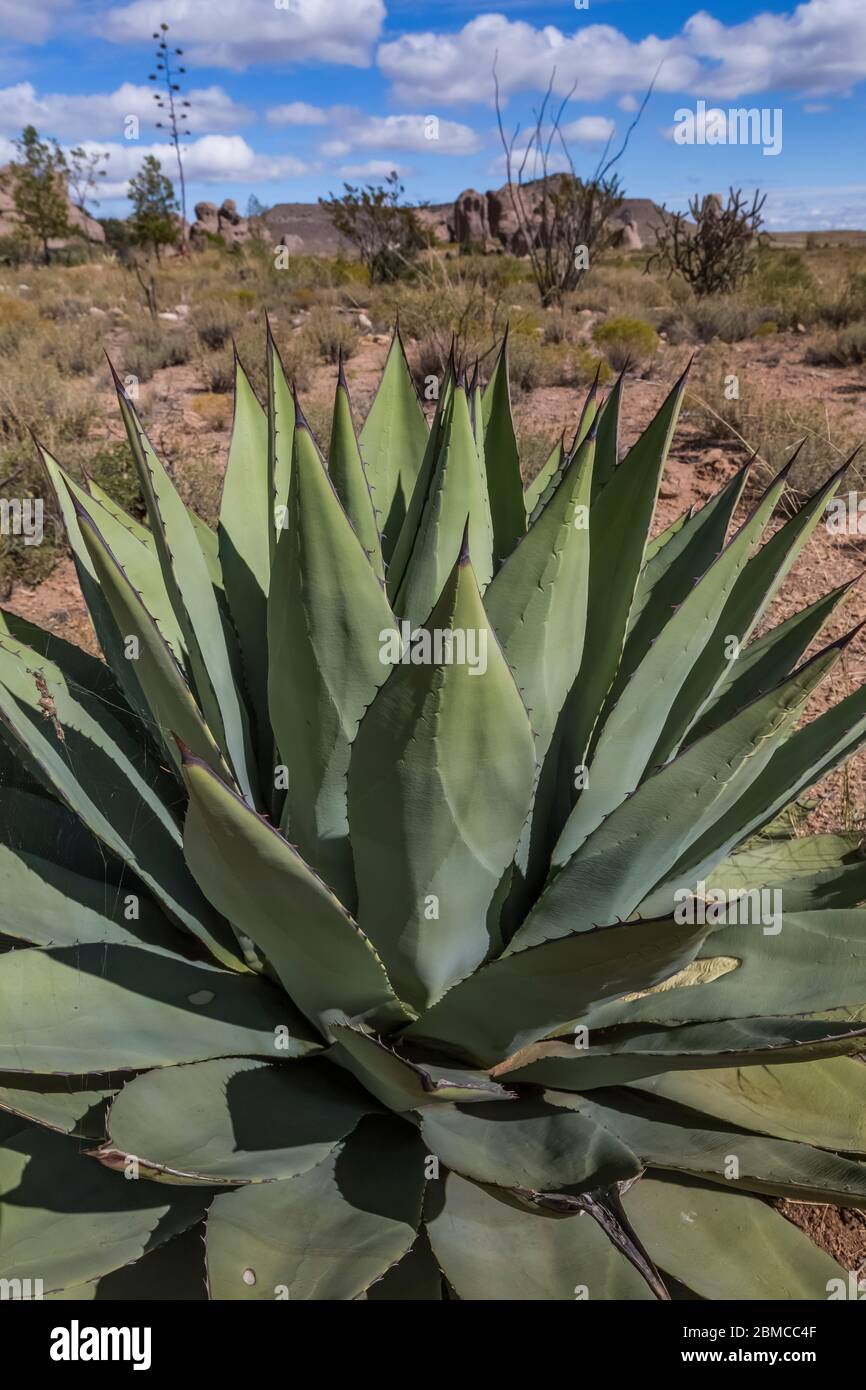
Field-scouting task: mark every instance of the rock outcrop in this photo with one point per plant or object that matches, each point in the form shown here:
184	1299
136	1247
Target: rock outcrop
10	224
224	221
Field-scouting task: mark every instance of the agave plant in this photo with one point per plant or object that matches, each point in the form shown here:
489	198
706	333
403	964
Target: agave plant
366	914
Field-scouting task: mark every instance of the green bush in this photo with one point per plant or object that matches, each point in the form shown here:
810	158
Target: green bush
626	341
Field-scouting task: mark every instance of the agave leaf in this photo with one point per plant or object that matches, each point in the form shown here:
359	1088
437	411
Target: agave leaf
657	543
543	487
491	1246
67	1104
616	555
327	1234
35	823
453	739
106	1221
669	575
189	586
776	973
822	1102
501	461
766	661
608	436
138	562
109	637
668	1136
392	442
625	746
246	527
416	1277
349	477
401	552
103	1007
46	904
232	1120
749	598
612	871
629	1054
536	603
328	618
281	437
246	869
162	683
707	1238
813	872
545	479
526	995
457	487
533	1142
404	1084
105	777
801	761
172	1272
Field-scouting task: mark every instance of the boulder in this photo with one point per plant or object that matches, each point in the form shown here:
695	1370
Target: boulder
471	225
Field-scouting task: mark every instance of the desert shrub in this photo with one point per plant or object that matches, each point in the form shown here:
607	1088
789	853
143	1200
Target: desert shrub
35	392
766	329
214	407
213	325
78	351
218	372
846	347
730	317
17	320
153	348
626	340
329	333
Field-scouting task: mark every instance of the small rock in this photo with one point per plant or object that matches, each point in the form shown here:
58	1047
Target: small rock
801	328
181	310
169	316
668	490
23	287
365	322
97	313
298	320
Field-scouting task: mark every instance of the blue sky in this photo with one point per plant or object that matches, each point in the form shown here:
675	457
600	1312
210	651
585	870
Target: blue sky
292	97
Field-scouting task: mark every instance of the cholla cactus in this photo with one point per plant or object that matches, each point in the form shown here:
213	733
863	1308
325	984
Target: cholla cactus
391	901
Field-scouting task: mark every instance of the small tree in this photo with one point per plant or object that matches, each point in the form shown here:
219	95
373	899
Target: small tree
386	231
564	220
154	207
86	168
38	184
716	251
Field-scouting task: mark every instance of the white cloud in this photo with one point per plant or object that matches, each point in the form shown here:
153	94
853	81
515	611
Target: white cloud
297	113
100	114
816	108
235	33
450	68
219	159
23	21
373	169
418	134
816	48
589	130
